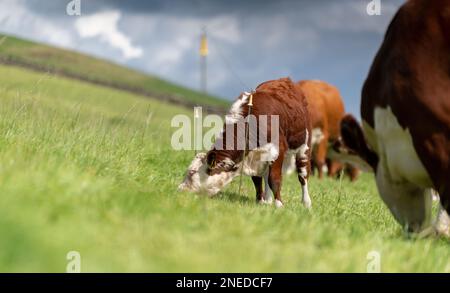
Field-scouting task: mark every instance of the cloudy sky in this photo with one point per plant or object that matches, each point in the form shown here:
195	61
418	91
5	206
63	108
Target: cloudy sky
249	41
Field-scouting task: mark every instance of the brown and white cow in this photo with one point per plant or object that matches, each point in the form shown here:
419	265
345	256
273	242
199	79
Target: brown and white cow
405	110
283	98
326	109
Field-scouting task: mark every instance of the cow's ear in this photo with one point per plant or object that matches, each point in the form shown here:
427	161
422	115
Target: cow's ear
211	159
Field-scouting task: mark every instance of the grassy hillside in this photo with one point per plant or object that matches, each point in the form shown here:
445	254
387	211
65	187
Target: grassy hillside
89	168
72	64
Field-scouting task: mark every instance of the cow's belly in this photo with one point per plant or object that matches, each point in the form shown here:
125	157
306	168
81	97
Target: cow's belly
395	149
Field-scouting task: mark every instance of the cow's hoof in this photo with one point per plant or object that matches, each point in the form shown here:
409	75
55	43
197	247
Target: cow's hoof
278	203
268	200
265	201
307	204
181	187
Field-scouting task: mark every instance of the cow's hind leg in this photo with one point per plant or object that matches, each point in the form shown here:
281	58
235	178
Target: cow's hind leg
303	169
275	176
321	154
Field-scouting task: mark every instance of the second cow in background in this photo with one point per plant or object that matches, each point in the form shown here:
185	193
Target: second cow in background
326	112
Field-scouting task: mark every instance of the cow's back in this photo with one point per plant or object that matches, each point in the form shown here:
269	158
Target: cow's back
284	98
316	104
325	103
410	78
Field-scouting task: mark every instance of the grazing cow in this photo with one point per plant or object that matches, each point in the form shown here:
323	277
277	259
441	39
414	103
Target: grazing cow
281	98
326	112
405	133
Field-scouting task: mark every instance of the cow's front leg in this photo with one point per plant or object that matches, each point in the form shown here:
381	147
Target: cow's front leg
353	172
410	204
334	167
275	177
257	181
321	154
302	162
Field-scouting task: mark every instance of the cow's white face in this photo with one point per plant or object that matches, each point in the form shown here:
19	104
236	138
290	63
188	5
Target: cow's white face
197	180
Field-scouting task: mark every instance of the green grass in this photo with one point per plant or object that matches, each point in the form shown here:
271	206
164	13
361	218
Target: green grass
92	69
88	168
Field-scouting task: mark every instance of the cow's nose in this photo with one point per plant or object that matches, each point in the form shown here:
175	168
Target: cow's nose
182	187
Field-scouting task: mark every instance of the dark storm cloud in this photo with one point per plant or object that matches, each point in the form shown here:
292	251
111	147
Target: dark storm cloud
204	7
192	8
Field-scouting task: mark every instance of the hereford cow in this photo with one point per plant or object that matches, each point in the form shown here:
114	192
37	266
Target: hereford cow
282	98
405	110
326	112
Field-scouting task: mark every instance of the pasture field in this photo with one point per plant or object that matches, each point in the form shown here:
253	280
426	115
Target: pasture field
90	169
48	58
